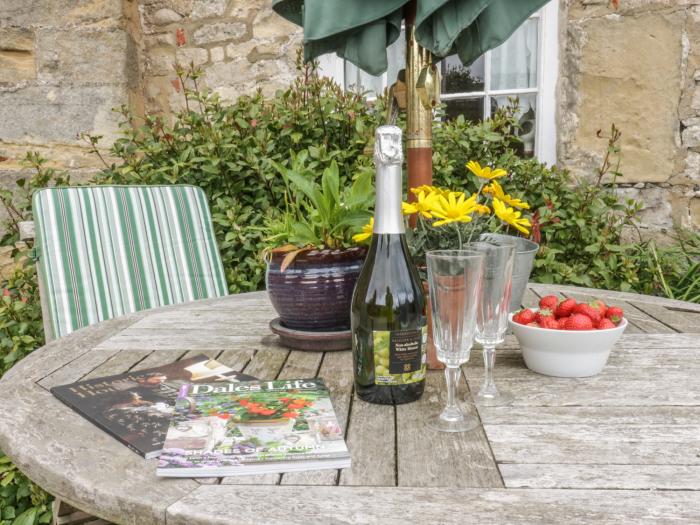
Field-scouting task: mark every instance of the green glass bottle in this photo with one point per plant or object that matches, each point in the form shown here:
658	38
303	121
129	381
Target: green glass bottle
389	332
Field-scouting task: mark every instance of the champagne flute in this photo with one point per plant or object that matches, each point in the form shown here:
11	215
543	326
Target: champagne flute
454	278
492	314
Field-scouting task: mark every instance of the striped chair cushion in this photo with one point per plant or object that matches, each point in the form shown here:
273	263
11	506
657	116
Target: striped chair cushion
106	251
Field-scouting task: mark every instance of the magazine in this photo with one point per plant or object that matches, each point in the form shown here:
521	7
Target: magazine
136	407
253	427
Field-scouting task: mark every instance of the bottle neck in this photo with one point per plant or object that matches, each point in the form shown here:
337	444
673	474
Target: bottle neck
387	210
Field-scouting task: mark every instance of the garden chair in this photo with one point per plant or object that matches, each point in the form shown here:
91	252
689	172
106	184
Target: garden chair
107	251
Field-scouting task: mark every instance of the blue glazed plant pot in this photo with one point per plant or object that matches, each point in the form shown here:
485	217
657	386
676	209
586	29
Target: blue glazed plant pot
314	293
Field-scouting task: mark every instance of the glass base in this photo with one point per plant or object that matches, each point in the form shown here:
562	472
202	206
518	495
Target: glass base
493	399
456	422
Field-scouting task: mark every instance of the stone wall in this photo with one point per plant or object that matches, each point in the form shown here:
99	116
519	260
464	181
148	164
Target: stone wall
638	66
64	64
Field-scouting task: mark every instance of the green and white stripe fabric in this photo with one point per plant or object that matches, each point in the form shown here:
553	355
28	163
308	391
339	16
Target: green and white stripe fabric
106	251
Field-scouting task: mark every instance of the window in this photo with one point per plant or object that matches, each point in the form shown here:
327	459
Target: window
525	66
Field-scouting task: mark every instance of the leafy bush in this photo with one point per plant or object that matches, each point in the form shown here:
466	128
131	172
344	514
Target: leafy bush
231	152
21	501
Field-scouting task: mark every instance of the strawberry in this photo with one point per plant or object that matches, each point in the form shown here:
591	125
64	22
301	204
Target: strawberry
588	310
578	322
565	308
549	322
605	324
600	306
543	314
561	323
524	316
549	302
615	314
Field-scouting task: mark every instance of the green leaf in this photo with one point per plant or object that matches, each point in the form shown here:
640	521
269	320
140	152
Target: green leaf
28	517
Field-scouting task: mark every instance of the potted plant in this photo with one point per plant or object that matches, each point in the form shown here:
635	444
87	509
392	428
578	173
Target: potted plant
448	219
313	262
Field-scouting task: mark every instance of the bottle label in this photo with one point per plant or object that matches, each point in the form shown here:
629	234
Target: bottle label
399	356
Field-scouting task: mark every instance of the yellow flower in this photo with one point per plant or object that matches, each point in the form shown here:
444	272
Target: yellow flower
430	190
485	172
366	233
496	190
481	209
510	216
454	208
424	205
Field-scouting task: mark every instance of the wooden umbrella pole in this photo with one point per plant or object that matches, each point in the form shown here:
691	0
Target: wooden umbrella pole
418	117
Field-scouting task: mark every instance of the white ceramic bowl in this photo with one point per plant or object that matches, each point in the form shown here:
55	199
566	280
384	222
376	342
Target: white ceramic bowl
566	353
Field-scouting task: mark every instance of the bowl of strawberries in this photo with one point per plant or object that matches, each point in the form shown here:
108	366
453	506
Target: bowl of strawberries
564	338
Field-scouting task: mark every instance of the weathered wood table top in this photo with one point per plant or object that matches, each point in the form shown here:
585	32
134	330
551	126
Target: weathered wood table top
622	447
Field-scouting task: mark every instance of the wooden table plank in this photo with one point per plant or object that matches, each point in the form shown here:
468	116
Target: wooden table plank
427	458
597	476
220	505
585	415
370	435
678	320
599	444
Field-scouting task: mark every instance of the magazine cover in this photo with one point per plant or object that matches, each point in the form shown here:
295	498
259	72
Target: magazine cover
136	407
253	427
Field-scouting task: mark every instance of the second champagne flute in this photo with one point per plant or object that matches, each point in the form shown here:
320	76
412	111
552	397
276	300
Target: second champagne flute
492	314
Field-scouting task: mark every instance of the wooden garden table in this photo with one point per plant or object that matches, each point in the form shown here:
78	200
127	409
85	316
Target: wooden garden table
622	447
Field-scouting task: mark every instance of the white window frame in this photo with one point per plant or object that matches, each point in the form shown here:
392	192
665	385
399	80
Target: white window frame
547	76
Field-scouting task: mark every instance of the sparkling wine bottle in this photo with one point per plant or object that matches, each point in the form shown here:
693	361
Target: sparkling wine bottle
389	329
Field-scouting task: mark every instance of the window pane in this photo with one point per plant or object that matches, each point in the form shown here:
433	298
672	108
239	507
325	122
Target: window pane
471	108
514	64
459	79
358	80
526	115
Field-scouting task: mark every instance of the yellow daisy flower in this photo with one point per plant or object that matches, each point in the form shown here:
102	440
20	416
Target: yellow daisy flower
496	190
485	172
481	209
454	209
424	204
510	216
366	233
430	189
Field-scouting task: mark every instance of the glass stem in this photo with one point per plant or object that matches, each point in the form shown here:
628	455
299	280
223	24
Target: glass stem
489	360
452	374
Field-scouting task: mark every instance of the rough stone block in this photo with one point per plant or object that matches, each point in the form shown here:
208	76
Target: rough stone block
57	113
220	32
207	9
192	55
61	13
17	61
691	135
639	91
695	213
216	54
165	16
82	56
657	211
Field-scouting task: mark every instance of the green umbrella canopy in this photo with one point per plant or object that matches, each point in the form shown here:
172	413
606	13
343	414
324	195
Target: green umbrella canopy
361	30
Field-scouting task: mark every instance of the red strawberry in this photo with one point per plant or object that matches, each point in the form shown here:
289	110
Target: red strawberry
588	310
605	324
600	306
561	323
549	302
525	316
615	314
578	322
541	315
565	308
549	322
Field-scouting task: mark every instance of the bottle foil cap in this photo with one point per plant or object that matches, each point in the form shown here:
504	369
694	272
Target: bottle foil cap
388	148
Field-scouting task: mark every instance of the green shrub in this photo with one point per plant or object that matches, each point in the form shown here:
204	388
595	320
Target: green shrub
21	501
231	151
